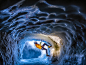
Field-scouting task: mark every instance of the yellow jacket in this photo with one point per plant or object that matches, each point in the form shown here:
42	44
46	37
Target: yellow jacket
38	45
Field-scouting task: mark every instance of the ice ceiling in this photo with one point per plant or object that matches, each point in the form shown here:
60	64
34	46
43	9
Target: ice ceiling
63	27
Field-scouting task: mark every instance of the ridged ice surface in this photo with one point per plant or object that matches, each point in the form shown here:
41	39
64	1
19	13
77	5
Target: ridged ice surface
67	22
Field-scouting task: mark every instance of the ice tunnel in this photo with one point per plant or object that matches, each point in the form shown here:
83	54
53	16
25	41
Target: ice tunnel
42	33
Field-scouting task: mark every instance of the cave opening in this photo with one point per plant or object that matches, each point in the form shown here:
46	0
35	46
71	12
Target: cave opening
31	54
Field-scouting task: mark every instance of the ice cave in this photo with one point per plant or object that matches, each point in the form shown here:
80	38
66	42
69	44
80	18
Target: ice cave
24	24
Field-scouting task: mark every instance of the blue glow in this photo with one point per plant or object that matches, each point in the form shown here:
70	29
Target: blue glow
36	55
66	22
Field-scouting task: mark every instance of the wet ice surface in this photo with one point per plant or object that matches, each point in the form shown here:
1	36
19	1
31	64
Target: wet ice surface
67	22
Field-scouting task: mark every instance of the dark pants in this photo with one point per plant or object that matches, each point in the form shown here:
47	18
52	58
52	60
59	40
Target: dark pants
44	48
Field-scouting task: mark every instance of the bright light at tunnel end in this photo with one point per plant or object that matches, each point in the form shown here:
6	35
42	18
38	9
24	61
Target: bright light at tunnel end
52	40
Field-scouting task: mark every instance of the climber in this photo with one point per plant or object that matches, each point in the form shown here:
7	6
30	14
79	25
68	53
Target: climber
42	47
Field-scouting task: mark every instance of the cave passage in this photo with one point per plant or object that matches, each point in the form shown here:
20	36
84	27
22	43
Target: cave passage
30	54
61	25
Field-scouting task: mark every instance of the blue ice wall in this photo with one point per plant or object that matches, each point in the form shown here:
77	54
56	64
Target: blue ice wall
67	22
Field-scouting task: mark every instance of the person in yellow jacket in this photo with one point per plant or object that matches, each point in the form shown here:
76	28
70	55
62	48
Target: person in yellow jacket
39	46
